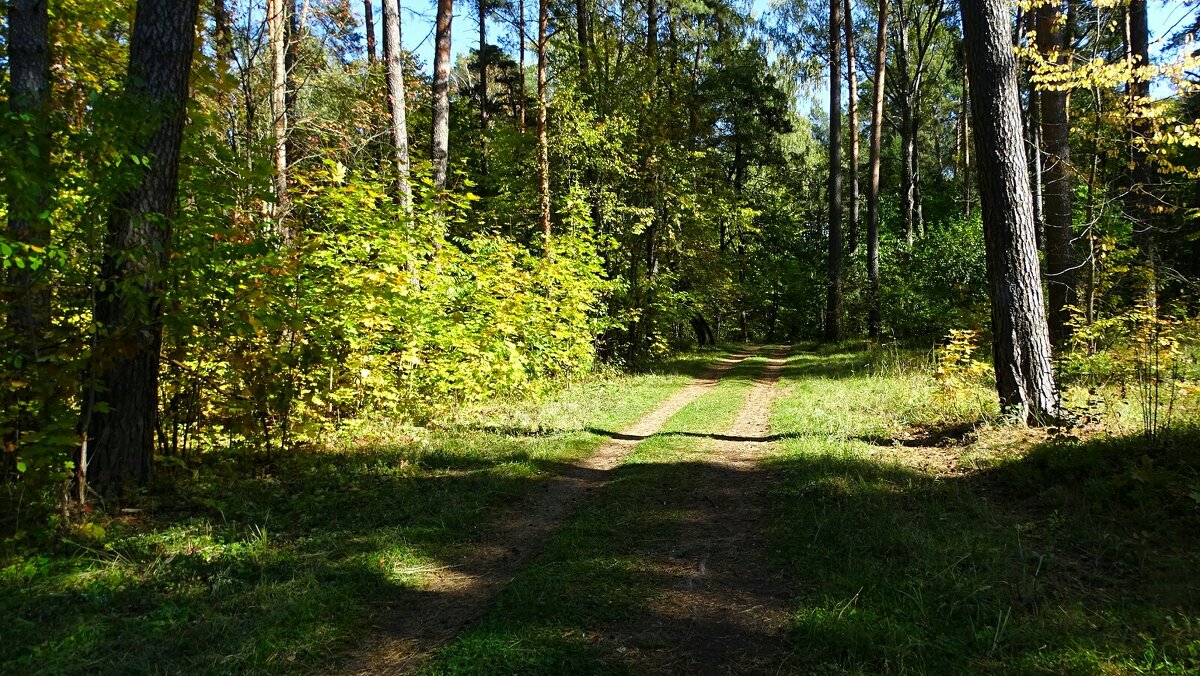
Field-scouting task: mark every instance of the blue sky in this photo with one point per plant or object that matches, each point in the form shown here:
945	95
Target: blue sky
418	18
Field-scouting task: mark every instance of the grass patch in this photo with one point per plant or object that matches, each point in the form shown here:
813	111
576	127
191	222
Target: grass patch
254	567
1073	556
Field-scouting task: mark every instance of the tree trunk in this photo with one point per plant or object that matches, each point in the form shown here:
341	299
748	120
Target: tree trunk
521	42
1033	138
26	189
369	17
481	57
543	144
396	99
874	320
119	447
1021	347
277	29
852	81
908	143
1141	176
1056	146
441	93
833	307
966	137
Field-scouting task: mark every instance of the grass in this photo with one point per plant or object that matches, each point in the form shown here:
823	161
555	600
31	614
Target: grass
246	567
558	615
912	535
1069	556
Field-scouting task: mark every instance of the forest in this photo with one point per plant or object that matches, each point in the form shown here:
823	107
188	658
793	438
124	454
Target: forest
602	336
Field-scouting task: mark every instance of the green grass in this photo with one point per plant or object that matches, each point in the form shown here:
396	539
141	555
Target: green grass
556	616
248	567
1070	557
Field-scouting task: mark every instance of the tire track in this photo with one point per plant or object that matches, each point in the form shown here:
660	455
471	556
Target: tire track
427	618
725	610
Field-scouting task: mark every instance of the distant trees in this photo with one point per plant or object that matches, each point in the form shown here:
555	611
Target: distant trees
1021	342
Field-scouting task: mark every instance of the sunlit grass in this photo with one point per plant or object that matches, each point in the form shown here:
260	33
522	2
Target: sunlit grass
257	567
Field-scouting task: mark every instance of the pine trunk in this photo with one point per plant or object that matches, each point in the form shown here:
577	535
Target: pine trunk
1058	182
874	319
369	19
1021	342
119	448
833	304
440	142
852	83
543	144
26	189
396	99
277	30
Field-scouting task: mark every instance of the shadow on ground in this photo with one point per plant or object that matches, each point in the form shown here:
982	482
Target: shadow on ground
1068	560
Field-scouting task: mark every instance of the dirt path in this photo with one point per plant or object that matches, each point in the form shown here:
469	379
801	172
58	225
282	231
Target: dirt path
725	610
427	618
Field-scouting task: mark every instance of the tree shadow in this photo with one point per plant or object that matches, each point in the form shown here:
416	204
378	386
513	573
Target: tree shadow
1070	559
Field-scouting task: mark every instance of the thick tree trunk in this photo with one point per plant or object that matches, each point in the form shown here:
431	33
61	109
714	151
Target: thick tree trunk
1033	138
119	446
26	188
369	17
396	99
852	83
1057	175
277	35
833	303
874	320
1021	347
440	142
543	144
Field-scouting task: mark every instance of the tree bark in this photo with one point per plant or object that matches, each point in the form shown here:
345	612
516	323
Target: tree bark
874	320
277	29
369	18
852	83
397	100
441	93
1021	342
26	186
543	143
481	57
966	136
119	447
833	306
521	42
1058	181
1140	203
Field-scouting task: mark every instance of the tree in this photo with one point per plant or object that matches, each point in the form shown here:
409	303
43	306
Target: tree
1021	342
1056	175
396	98
26	183
119	444
542	139
833	303
1141	199
874	323
852	119
369	19
277	28
441	93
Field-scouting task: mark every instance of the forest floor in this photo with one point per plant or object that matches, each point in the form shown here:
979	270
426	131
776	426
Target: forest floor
772	510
